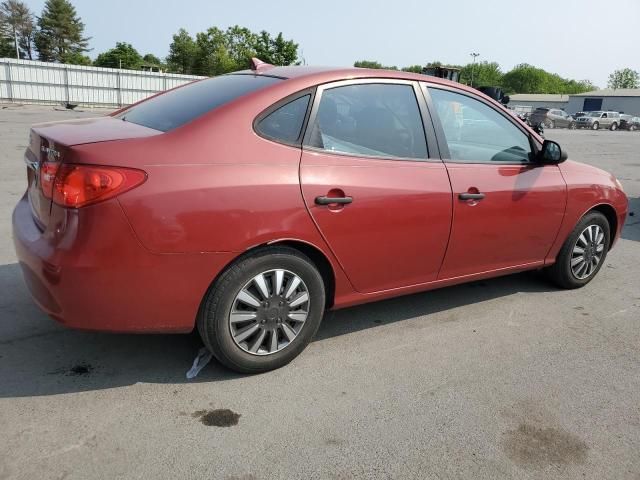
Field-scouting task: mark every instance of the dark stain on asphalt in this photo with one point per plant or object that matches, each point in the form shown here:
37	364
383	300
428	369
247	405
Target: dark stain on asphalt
578	308
538	447
81	369
222	417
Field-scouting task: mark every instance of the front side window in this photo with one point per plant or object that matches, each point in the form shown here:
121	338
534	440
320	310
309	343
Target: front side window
285	123
476	132
373	119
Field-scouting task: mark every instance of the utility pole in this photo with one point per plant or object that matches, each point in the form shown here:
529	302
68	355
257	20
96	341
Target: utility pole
473	66
15	37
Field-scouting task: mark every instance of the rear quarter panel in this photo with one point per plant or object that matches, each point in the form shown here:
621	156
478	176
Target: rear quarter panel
214	185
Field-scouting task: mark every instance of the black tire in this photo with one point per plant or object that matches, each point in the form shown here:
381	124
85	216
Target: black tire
560	272
595	126
613	127
572	126
213	318
551	124
632	128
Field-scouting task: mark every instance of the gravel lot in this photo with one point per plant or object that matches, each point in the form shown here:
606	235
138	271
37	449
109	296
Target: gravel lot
507	378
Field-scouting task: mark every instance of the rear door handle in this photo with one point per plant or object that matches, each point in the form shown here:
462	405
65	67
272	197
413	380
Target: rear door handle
471	196
332	200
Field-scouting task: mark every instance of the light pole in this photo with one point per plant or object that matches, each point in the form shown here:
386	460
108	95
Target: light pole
15	38
473	66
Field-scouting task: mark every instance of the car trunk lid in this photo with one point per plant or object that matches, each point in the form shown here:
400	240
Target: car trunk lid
51	144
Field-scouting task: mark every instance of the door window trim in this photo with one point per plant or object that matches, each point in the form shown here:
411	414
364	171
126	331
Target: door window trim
433	152
442	139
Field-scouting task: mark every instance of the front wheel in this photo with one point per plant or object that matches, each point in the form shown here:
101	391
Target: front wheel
263	310
583	253
551	124
595	126
572	126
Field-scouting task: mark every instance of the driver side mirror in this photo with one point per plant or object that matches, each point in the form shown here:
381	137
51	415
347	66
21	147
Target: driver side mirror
551	153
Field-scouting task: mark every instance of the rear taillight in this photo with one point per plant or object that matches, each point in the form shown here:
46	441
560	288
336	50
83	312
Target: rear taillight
48	171
77	186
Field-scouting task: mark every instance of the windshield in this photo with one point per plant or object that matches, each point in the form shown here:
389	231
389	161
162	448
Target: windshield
177	107
594	114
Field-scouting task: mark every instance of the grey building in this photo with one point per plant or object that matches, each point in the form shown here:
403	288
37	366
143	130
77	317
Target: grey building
530	101
625	100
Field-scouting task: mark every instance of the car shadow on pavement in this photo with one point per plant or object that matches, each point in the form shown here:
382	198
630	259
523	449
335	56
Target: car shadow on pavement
40	357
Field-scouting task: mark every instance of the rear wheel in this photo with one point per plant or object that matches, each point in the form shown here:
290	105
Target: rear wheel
595	126
572	126
614	127
551	124
263	310
632	128
583	253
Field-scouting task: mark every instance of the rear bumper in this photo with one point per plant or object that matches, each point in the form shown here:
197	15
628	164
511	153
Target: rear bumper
88	271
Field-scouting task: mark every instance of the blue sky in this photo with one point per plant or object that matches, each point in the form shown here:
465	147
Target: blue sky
580	39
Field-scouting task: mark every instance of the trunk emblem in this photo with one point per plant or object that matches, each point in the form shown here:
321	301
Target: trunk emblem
52	153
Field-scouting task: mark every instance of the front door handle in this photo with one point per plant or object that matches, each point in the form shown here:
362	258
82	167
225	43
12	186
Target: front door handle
471	196
332	200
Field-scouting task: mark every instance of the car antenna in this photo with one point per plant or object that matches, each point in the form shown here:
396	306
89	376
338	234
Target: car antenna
258	65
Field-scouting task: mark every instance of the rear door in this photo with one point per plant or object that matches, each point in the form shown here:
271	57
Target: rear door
374	185
507	208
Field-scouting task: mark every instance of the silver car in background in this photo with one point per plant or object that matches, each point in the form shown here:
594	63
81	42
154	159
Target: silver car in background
599	119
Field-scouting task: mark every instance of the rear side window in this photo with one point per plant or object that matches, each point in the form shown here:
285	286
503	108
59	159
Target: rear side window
372	120
178	107
285	123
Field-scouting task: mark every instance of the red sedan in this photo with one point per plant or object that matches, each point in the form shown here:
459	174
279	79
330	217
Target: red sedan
248	204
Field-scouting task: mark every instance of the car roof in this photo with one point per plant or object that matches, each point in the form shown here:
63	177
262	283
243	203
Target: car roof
318	75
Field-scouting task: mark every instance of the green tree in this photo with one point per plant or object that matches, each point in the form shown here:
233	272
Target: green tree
60	32
240	43
276	51
212	53
7	48
485	74
183	52
76	58
17	23
413	69
525	78
122	56
624	78
373	64
151	59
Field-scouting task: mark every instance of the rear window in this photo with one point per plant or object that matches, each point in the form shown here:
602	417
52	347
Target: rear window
177	107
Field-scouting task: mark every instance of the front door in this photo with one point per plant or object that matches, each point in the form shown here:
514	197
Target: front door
507	208
382	205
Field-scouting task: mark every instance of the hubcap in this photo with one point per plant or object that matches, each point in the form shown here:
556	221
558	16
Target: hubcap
587	252
269	312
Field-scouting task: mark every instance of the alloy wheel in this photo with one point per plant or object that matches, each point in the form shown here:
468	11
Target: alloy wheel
269	312
587	252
